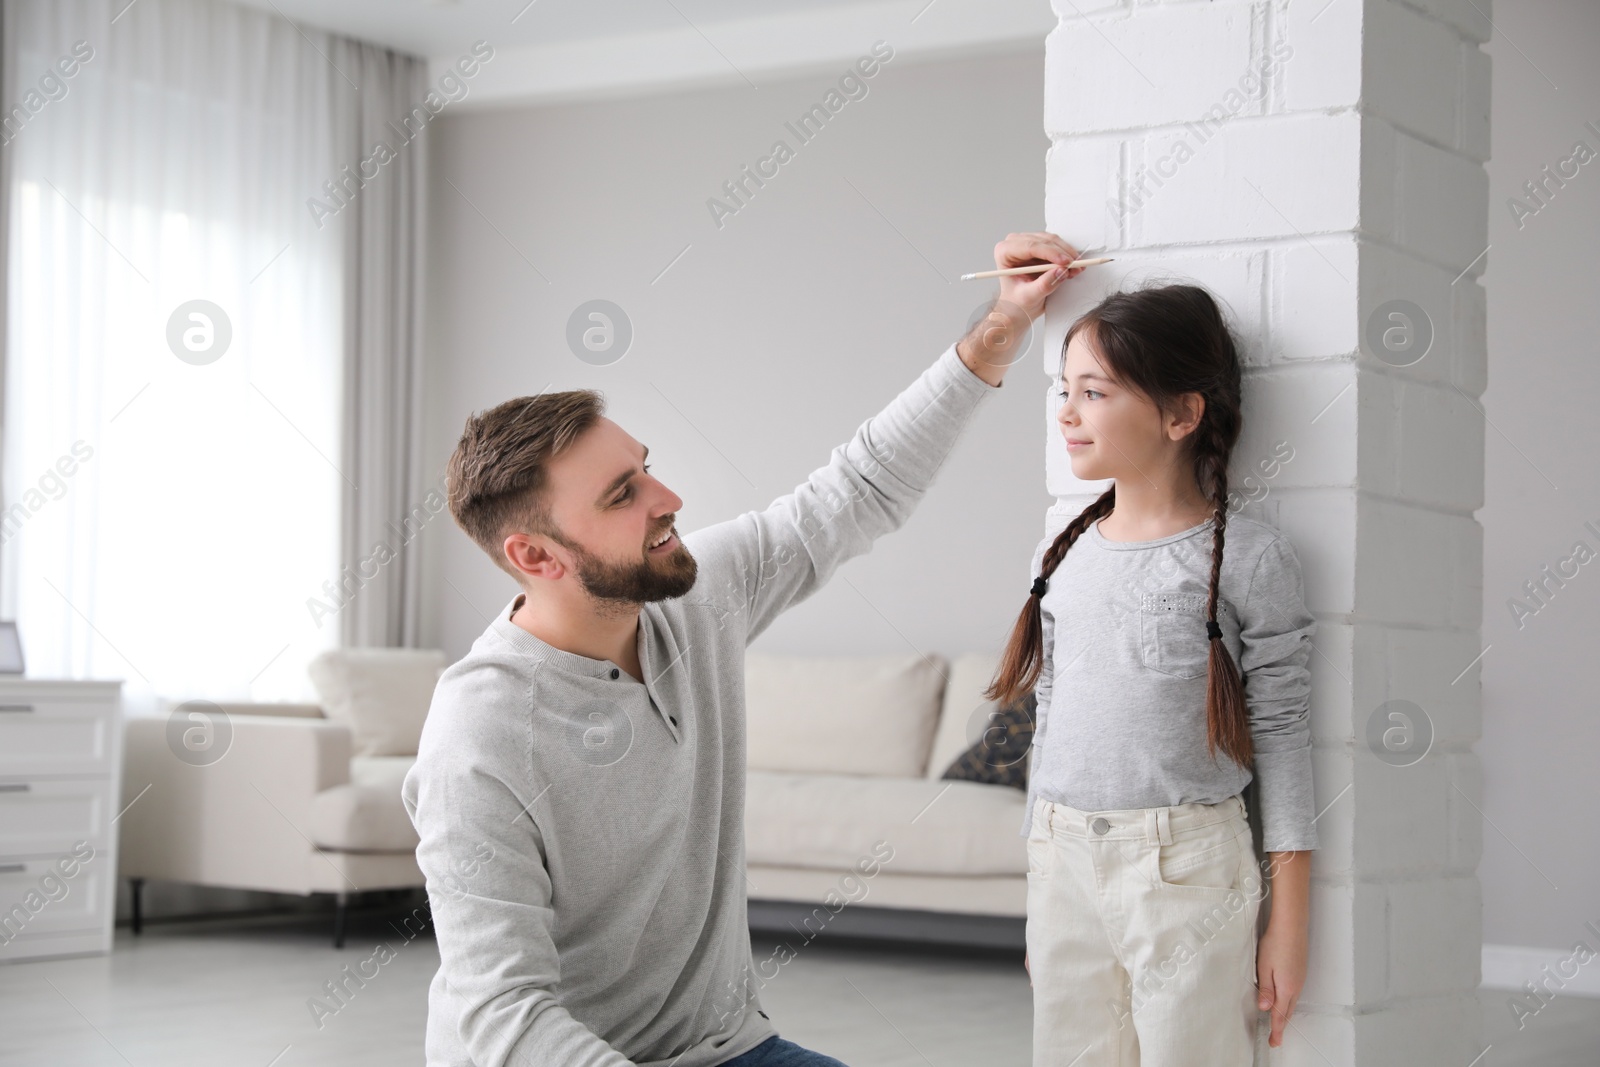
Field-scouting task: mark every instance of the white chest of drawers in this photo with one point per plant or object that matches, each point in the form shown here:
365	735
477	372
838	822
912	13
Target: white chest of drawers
60	781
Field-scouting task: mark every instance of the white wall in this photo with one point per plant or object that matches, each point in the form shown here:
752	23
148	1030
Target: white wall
772	338
1541	730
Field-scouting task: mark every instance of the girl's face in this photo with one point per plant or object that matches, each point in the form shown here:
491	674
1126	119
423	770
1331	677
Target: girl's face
1111	430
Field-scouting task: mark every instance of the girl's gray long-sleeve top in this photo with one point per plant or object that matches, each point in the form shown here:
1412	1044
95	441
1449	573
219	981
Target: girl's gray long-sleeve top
1121	719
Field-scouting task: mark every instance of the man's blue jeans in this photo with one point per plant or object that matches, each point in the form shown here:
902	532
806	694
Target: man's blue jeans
776	1052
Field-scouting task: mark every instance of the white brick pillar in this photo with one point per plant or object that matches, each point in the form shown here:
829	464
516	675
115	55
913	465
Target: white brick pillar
1311	164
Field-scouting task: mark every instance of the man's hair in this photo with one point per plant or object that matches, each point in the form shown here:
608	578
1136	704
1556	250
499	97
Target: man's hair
498	475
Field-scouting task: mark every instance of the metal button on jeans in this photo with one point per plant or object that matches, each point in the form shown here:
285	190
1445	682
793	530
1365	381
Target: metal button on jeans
1099	826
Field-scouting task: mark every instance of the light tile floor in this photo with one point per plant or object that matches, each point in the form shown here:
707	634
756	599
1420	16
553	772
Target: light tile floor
234	992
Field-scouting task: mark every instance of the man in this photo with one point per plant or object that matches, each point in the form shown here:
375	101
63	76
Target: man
579	787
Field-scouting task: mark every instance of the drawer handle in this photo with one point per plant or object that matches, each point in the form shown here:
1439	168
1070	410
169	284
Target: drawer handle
14	787
16	707
12	868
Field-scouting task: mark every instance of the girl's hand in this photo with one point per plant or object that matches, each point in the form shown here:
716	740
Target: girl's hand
1280	973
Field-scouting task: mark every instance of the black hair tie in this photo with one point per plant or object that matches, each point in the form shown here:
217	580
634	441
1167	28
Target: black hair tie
1039	585
1213	631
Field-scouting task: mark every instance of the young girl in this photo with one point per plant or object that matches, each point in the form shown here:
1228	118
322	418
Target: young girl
1143	888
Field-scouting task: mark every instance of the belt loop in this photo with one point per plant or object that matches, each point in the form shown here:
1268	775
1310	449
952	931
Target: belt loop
1164	825
1151	831
1050	818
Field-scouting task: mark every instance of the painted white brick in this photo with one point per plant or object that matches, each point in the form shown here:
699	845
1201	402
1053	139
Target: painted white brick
1333	679
1281	177
1469	325
1316	1039
1388	274
1439	1030
1322	525
1421	568
1068	10
1083	194
1469	17
1400	811
1369	687
1425	667
1436	196
1060	309
1411	71
1380	182
1313	296
1332	942
1164	65
1370	952
1435	937
1441	196
1306	413
1472	130
1465	830
1441	453
1378	436
1323	70
1331	773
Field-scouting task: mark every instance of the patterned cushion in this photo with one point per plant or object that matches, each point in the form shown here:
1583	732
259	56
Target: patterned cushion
1000	755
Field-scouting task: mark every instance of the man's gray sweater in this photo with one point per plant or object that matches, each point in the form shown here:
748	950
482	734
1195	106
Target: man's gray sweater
582	833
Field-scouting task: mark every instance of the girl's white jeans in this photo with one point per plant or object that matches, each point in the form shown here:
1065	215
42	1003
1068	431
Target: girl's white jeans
1141	936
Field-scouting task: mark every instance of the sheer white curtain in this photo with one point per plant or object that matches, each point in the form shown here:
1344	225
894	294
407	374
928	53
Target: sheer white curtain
166	519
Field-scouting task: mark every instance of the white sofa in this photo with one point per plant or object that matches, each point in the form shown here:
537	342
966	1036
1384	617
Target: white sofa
845	753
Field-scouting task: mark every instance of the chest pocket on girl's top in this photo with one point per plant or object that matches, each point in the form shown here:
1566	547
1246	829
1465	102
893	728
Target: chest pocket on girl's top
1172	633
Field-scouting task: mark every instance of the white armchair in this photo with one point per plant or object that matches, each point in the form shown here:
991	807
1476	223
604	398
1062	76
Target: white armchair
304	798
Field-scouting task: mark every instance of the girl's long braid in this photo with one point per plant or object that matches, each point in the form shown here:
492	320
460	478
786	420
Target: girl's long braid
1023	659
1227	718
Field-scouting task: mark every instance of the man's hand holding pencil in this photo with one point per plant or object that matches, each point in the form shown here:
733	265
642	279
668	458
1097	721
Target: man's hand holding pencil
1030	266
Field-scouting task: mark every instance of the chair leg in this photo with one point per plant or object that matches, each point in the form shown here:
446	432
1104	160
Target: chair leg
341	901
136	891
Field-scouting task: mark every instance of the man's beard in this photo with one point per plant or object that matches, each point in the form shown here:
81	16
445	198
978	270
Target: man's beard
640	582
